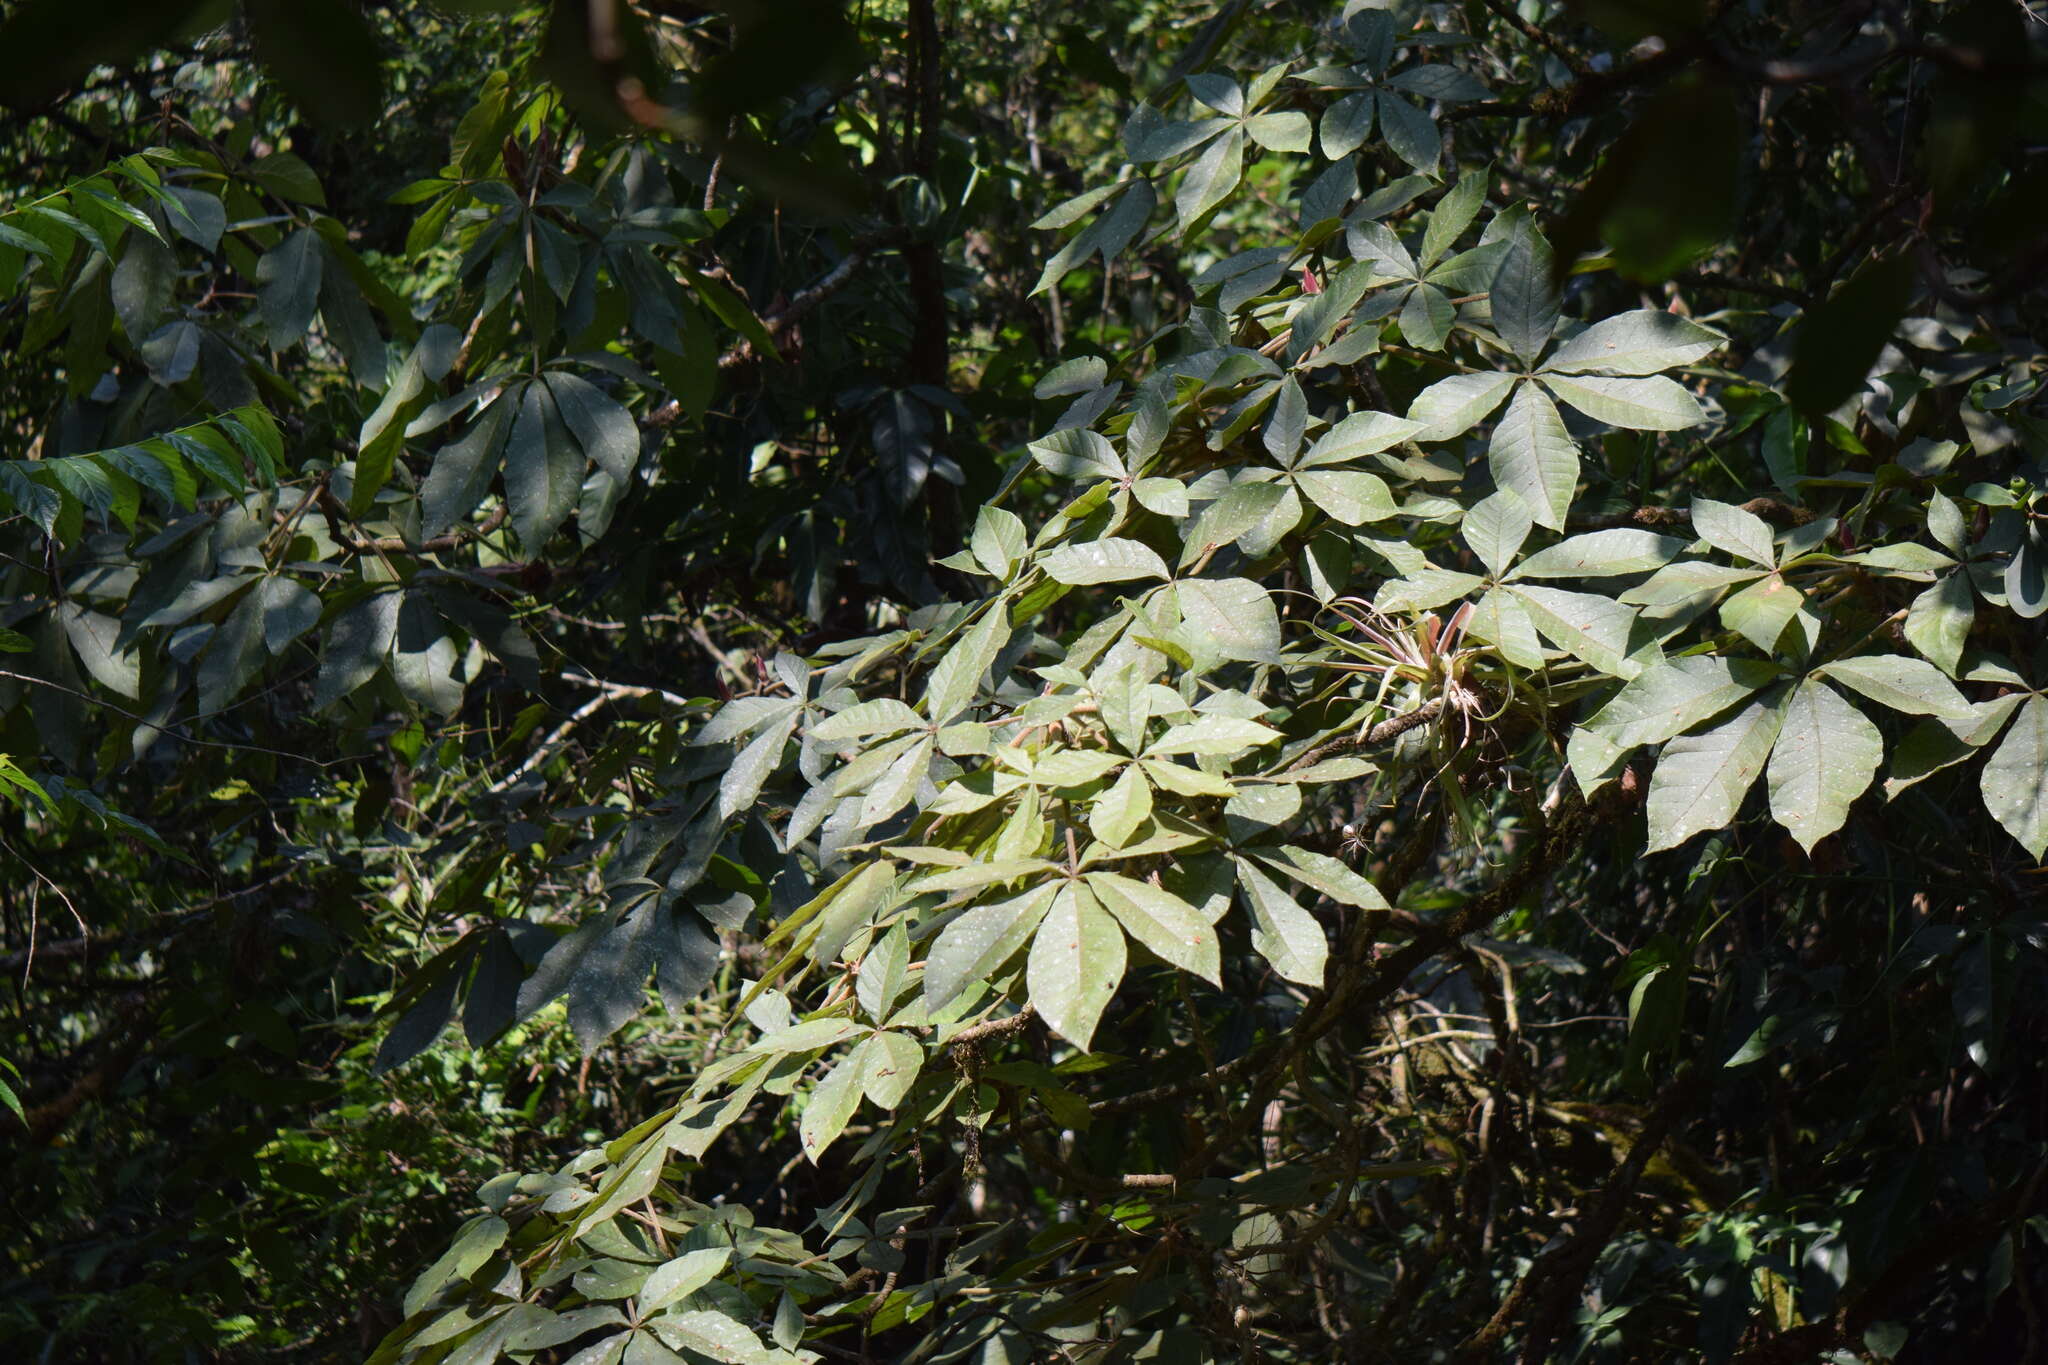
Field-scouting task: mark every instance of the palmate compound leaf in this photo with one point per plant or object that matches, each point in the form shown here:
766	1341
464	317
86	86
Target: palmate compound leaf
1077	960
1825	757
1700	779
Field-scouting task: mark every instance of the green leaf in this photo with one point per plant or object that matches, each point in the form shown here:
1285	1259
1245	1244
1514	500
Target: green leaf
1945	522
971	948
463	470
714	1335
601	426
1167	497
1219	92
1077	960
1359	435
1638	343
1762	610
1409	132
234	653
2015	779
1108	560
1678	583
1234	618
1504	622
999	540
1424	589
831	1106
741	785
1185	781
1380	249
1350	497
1077	453
898	784
94	637
1904	684
1215	736
1524	299
1283	933
891	1064
1452	215
683	1276
1532	456
382	433
1587	626
543	470
1320	872
1116	814
882	716
1654	403
1426	317
1700	779
1453	406
1287	131
476	1243
288	287
1495	528
2026	575
1346	125
1938	621
884	970
1172	929
142	285
1602	554
957	677
1825	756
1209	181
1231	517
1673	695
1734	531
424	659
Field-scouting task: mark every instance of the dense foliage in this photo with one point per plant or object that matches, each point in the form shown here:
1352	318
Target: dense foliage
1004	683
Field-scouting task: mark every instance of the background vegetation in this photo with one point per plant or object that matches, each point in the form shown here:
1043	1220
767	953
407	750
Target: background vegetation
987	682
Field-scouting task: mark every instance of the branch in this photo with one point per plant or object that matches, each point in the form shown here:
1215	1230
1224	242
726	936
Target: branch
1537	34
1558	1276
392	545
992	1028
778	321
1770	509
1392	728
